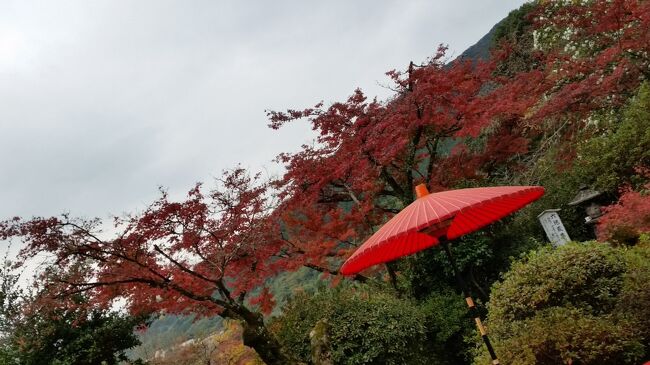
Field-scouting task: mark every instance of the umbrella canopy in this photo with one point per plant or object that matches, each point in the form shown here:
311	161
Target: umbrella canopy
451	213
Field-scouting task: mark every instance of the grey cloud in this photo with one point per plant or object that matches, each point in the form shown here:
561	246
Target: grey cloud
103	101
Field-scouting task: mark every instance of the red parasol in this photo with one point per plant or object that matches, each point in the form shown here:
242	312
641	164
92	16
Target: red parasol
437	218
450	213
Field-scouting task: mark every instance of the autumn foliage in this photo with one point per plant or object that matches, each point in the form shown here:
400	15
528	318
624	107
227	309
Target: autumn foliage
368	155
202	256
624	221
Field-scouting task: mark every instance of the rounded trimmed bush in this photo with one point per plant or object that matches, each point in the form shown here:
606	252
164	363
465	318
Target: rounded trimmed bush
585	303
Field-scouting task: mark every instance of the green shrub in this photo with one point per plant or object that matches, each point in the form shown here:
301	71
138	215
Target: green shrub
364	327
582	303
449	325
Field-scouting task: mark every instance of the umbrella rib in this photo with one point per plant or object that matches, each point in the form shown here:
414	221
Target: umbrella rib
450	203
392	228
381	233
432	201
411	213
426	214
428	201
459	198
465	203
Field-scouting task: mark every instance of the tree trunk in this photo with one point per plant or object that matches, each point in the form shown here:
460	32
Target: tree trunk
391	268
258	337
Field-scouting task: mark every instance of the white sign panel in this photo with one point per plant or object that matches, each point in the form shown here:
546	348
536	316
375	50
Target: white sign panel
553	227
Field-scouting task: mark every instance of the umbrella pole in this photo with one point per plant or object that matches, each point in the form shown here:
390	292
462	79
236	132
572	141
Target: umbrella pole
470	302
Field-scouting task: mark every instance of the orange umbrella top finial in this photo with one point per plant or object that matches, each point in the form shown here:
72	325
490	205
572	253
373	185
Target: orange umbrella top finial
421	191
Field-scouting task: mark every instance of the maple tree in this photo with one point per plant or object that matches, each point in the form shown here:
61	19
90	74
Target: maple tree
368	155
594	53
560	76
203	255
599	52
587	59
624	221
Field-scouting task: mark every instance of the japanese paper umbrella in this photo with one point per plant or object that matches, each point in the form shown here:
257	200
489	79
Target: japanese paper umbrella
437	218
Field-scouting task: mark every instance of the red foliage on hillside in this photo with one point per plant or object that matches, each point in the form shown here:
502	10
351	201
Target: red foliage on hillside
625	220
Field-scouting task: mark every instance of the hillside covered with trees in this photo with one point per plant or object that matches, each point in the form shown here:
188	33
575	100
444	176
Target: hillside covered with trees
556	96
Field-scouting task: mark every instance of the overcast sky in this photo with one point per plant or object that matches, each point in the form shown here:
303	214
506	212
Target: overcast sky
101	102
